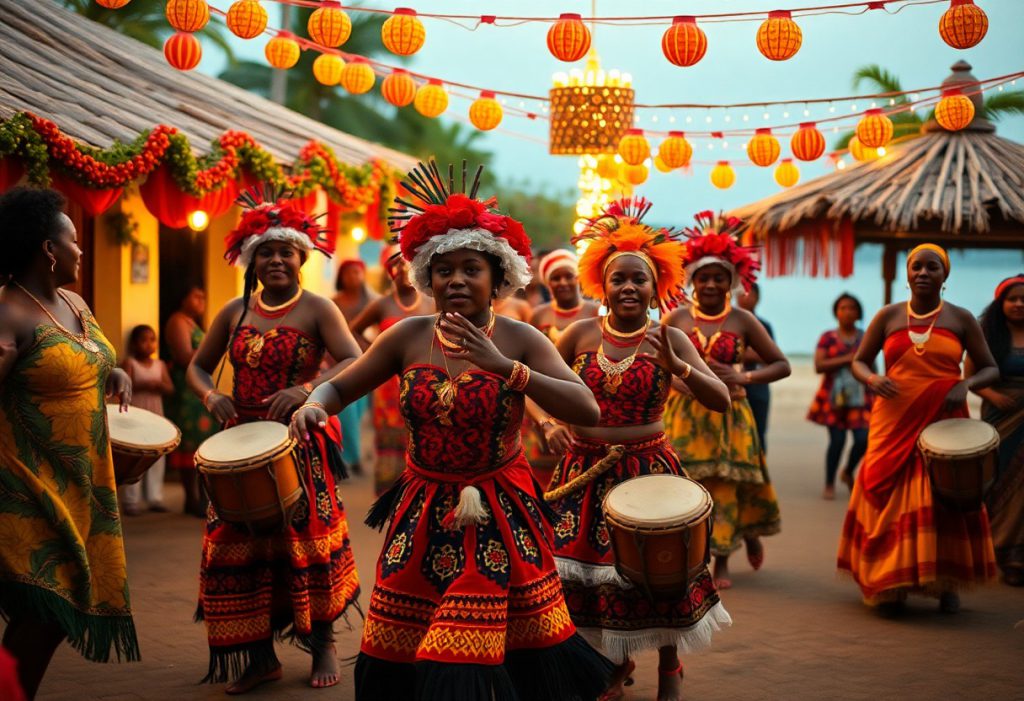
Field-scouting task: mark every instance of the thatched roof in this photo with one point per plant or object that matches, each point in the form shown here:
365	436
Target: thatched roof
98	86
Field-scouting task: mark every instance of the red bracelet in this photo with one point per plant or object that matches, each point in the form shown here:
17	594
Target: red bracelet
519	378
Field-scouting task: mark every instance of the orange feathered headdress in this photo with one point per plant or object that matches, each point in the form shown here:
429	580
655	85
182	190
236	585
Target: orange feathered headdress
620	231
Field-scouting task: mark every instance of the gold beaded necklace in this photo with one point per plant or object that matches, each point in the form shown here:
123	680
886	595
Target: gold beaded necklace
81	338
613	370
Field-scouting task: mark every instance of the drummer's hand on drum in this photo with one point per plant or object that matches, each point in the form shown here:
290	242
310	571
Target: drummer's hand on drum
883	386
221	406
120	385
956	397
283	402
308	419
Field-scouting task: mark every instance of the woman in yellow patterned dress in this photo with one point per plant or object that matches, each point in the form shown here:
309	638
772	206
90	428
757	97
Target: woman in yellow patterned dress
62	564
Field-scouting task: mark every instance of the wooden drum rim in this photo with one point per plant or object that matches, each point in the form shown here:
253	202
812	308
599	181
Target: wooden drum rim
253	462
700	517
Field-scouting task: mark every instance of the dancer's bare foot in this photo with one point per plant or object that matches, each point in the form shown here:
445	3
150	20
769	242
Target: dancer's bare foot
829	493
620	678
251	678
721	573
755	552
670	684
325	670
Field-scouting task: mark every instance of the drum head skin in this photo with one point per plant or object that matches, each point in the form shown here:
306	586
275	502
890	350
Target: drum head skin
957	437
140	428
244	442
656	501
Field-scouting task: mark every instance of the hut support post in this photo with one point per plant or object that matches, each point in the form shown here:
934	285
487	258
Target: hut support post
888	271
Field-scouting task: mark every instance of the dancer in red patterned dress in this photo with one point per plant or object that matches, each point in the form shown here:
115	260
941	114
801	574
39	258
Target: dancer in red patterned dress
303	578
467	603
629	362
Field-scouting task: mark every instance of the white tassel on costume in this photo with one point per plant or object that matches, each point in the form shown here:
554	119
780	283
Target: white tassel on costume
470	510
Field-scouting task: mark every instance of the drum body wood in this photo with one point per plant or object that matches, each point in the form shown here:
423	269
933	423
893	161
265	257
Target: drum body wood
138	438
251	475
660	531
961	455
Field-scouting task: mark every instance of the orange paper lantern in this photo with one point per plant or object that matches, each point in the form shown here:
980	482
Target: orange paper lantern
282	51
723	176
684	43
634	174
675	151
963	25
661	165
357	76
874	129
954	111
607	168
779	37
112	4
569	38
807	143
763	149
327	69
431	99
633	147
403	33
187	15
786	173
329	25
860	152
485	113
246	19
398	88
183	51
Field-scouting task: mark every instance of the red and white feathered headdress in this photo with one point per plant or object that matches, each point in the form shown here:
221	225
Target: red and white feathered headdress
443	219
268	215
713	242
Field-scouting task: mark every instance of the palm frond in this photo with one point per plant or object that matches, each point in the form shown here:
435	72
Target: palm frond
1003	104
878	78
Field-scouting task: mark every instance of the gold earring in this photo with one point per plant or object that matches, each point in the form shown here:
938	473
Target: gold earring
53	264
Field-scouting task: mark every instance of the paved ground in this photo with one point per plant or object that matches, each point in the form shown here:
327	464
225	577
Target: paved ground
800	631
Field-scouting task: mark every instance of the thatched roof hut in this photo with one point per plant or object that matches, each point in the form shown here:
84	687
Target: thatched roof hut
958	189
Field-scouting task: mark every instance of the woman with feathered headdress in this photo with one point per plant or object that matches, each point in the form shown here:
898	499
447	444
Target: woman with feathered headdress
723	451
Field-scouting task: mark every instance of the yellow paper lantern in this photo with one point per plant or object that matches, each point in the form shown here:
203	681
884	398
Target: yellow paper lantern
955	111
399	88
661	166
786	173
779	37
723	176
327	69
112	4
357	76
431	99
485	113
963	25
569	38
860	152
633	147
675	151
329	25
282	51
807	143
634	174
763	149
684	43
874	129
246	19
187	15
607	168
403	33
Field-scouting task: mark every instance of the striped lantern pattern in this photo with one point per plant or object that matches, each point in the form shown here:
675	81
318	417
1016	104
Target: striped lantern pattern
684	43
860	152
485	113
807	143
329	25
963	25
569	38
874	129
187	15
431	99
282	51
112	4
786	173
399	89
327	69
357	76
402	33
954	111
723	176
183	51
633	147
675	151
246	19
779	37
634	174
763	149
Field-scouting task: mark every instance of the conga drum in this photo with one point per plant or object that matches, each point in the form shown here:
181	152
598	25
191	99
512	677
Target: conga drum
138	438
660	531
961	455
251	475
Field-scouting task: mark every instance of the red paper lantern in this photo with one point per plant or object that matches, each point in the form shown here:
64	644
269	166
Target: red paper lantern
569	38
246	19
684	43
954	111
723	176
874	129
431	99
403	33
763	149
675	151
485	113
11	170
327	69
183	51
357	76
399	88
963	25
779	37
807	143
633	147
282	51
92	201
187	15
112	4
329	25
787	174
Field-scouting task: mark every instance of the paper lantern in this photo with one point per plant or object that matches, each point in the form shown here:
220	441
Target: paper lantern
399	88
569	38
661	165
282	51
763	149
431	99
112	4
183	51
329	25
779	37
246	19
403	33
485	113
684	43
327	69
963	25
187	15
634	174
954	111
787	174
675	151
633	147
723	176
590	111
874	129
860	152
807	143
607	168
357	76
